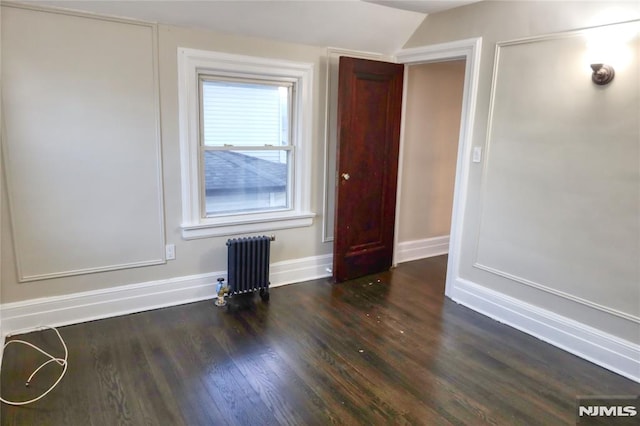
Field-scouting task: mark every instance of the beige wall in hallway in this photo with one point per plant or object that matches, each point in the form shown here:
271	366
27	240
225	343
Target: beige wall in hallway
432	124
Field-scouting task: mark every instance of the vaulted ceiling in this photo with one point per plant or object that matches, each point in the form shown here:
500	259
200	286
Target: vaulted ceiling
373	26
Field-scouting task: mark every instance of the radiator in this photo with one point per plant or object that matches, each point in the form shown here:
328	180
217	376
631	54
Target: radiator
248	265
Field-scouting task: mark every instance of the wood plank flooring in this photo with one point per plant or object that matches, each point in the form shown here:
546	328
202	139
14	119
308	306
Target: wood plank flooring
386	349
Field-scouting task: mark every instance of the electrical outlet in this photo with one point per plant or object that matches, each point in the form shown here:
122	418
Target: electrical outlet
170	251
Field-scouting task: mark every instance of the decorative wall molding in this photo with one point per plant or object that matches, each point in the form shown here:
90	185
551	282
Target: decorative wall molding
420	249
603	349
26	316
148	247
551	290
485	182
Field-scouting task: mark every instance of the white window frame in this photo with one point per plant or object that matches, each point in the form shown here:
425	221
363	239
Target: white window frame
192	63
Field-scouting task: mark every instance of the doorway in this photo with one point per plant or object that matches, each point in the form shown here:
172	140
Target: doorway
431	115
470	51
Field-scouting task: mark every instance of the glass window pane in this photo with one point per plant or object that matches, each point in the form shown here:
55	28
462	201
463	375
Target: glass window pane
245	181
245	114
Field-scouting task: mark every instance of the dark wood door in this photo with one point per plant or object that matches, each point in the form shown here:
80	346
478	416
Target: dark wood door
369	111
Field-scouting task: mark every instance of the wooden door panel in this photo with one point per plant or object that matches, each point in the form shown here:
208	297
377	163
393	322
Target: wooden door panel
369	108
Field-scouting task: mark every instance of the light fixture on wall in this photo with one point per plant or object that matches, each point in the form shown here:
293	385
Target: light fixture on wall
610	46
602	74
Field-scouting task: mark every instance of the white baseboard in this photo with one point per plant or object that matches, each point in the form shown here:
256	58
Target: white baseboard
420	249
299	270
603	349
23	317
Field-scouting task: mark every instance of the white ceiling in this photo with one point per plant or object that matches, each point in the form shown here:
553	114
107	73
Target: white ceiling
423	6
350	24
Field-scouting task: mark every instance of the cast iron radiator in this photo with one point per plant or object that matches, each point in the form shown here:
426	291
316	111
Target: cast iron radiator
248	265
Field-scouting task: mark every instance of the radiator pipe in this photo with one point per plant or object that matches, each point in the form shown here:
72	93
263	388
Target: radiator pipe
221	289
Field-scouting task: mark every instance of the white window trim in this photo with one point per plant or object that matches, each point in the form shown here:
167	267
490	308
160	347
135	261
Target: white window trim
190	63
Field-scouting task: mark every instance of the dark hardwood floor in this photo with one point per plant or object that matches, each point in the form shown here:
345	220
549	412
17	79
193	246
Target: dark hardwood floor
387	349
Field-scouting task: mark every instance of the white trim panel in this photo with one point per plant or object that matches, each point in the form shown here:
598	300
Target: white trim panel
439	52
299	270
603	349
420	249
23	317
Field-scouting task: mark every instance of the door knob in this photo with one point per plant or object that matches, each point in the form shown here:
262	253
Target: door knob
345	176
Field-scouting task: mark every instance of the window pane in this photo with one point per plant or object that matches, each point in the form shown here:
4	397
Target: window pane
245	181
245	114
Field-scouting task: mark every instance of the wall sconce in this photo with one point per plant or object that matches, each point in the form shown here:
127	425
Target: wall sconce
608	46
602	74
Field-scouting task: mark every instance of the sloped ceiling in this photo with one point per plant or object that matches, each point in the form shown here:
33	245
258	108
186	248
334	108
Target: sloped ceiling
423	6
349	24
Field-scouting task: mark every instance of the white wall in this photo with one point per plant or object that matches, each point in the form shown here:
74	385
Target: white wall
197	256
567	127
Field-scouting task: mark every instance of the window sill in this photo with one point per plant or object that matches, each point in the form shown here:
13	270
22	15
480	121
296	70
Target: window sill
235	225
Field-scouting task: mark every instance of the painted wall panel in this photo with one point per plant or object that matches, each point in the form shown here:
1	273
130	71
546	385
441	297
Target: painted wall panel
561	199
562	178
82	148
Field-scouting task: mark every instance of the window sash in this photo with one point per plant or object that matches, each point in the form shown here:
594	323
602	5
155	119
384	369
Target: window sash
290	102
267	184
251	199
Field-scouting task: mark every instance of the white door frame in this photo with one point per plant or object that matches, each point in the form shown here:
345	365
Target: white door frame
469	50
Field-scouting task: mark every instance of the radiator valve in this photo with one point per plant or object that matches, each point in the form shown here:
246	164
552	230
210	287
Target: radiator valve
221	289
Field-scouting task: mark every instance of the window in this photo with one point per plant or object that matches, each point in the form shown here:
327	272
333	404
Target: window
245	143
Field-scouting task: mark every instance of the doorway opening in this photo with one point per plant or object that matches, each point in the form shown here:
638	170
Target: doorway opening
431	117
468	50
